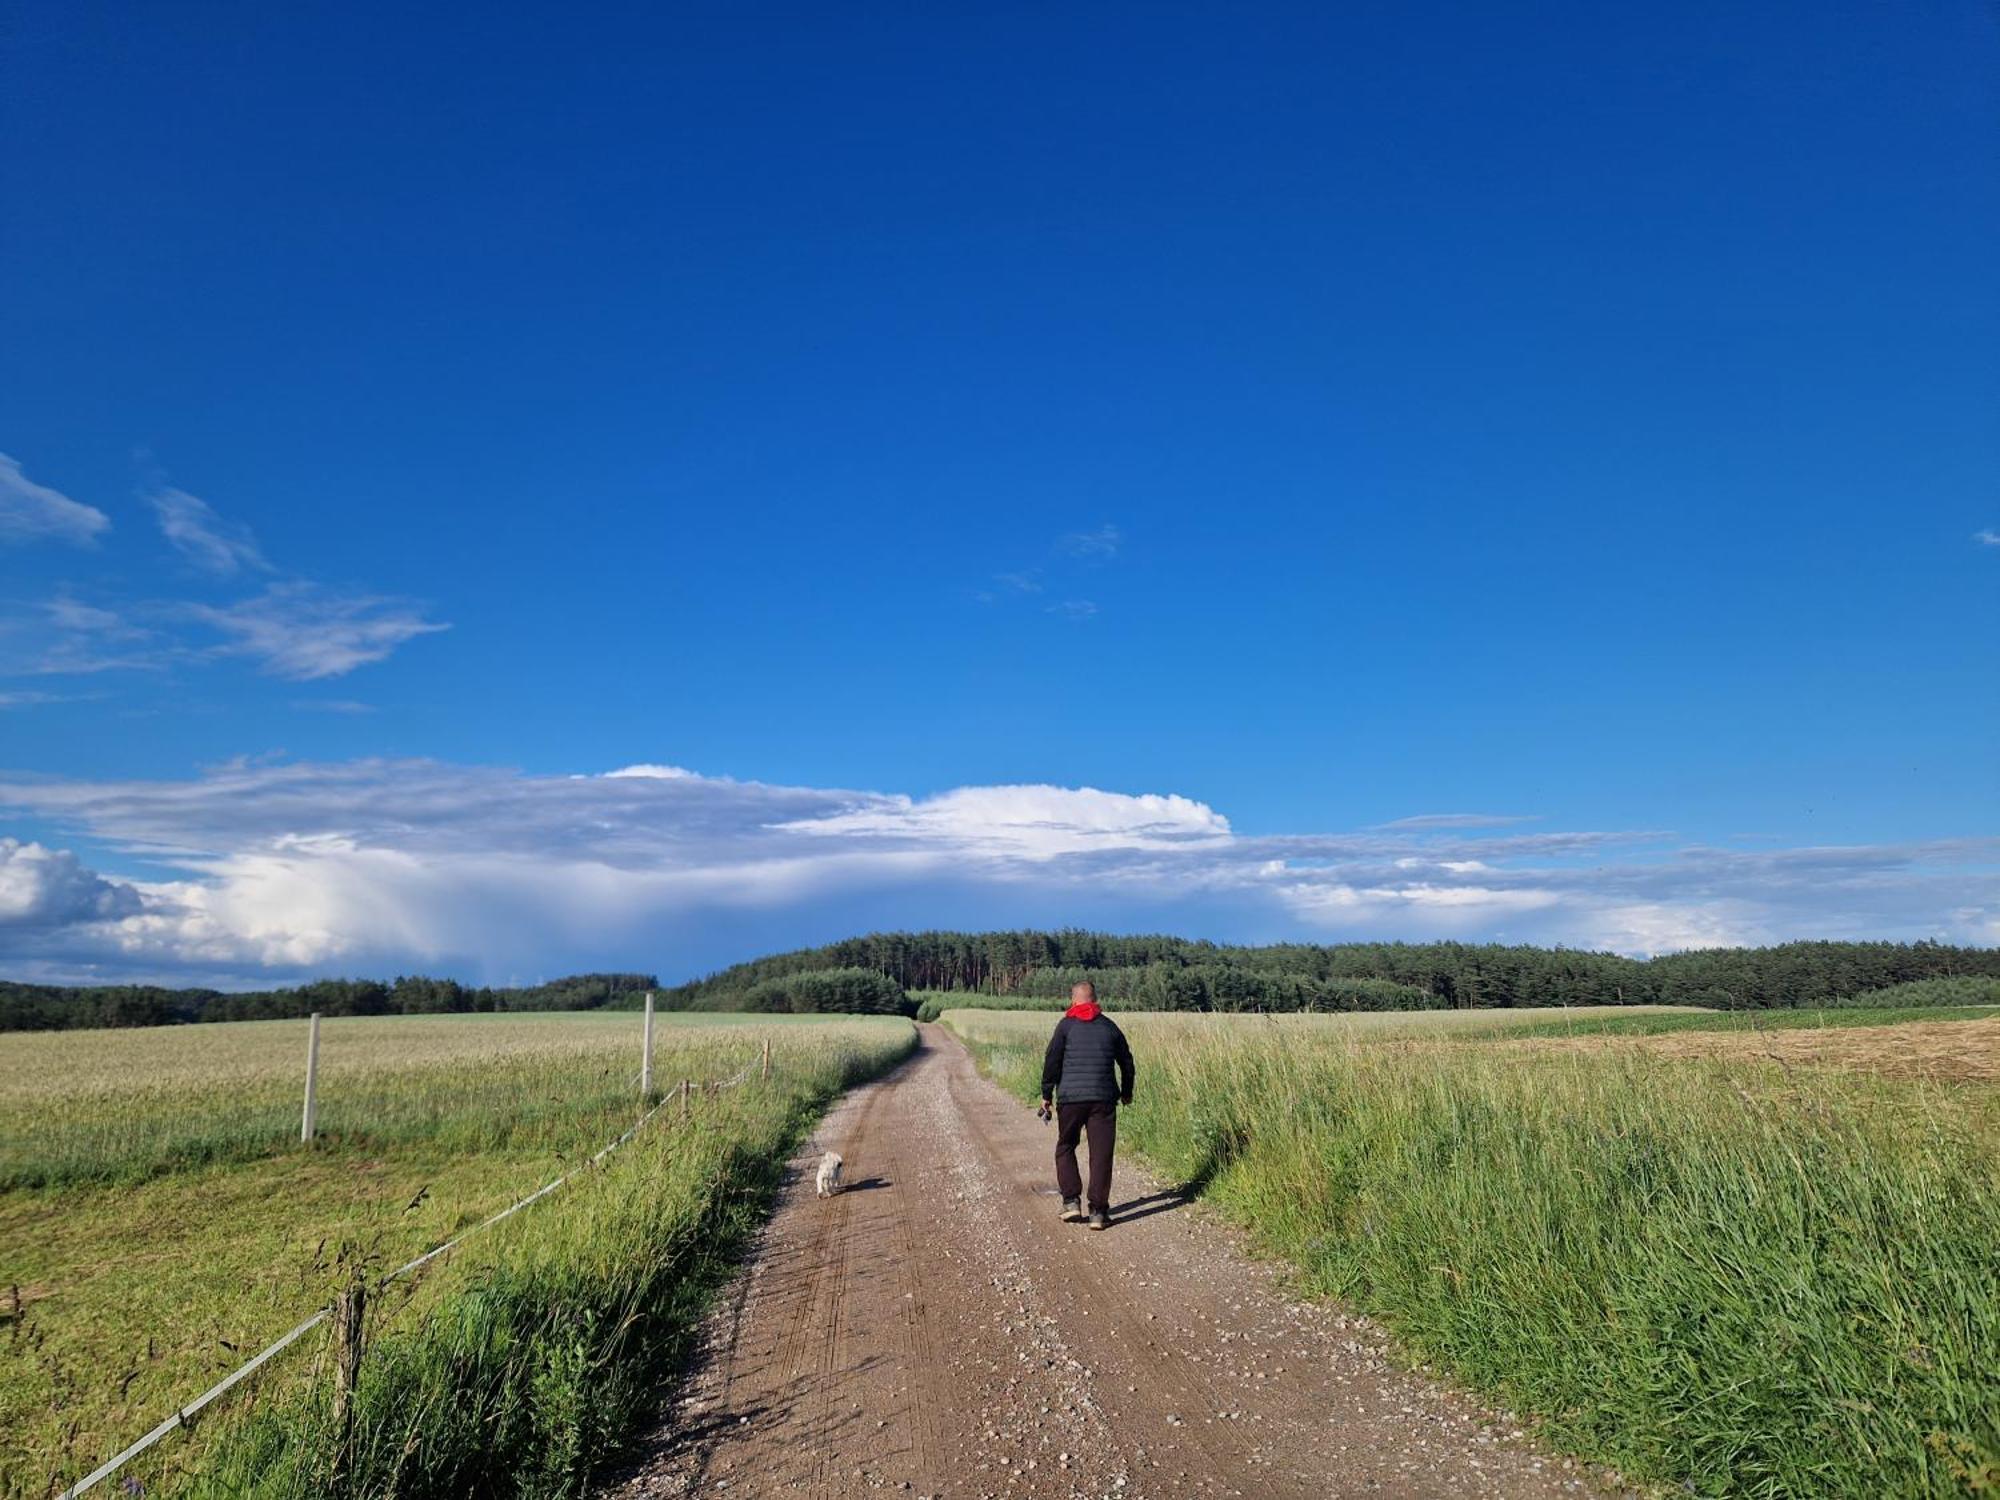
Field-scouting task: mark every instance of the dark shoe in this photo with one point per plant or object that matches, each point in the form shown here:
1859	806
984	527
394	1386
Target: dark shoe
1100	1220
1072	1211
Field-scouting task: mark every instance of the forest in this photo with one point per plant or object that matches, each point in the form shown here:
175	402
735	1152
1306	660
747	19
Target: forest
1172	973
852	991
874	975
50	1007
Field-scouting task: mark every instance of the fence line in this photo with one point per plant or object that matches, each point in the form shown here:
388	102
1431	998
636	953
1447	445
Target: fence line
185	1415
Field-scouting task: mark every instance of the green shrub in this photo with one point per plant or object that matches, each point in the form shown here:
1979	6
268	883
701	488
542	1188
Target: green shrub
1964	989
825	991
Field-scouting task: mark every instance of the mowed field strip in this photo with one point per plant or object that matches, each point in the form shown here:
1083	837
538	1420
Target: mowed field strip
1960	1050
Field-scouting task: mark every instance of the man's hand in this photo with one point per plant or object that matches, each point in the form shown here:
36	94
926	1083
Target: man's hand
1125	1099
1047	1112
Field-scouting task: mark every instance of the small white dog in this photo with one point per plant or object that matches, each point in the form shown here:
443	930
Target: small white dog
829	1174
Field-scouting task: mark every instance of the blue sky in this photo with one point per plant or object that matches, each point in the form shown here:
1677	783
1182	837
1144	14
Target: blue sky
1031	466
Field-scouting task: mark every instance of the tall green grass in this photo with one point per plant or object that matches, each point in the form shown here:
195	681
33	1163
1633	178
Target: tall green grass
512	1368
534	1366
1725	1277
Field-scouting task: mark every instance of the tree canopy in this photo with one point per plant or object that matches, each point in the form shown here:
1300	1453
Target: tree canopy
49	1007
874	974
1158	972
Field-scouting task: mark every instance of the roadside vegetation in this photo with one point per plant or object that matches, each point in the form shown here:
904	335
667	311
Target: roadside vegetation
1727	1274
162	1223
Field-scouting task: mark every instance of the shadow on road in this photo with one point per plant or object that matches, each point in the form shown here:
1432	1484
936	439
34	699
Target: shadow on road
1145	1208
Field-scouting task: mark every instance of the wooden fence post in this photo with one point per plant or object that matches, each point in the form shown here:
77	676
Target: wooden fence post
766	1073
311	1117
687	1093
646	1053
350	1311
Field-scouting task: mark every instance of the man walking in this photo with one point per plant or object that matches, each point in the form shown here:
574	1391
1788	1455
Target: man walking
1078	1070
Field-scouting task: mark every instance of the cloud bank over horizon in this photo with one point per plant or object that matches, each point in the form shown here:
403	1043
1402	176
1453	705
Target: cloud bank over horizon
266	872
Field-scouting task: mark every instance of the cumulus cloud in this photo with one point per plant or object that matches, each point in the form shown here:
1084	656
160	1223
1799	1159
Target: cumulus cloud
50	888
31	512
373	864
203	537
303	632
1024	822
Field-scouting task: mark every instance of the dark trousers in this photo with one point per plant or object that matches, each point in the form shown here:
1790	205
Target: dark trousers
1102	1118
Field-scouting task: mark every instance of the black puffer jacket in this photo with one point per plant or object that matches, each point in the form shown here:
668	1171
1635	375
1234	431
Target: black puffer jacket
1079	1062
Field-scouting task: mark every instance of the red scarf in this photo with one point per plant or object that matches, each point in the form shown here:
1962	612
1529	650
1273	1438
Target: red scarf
1083	1010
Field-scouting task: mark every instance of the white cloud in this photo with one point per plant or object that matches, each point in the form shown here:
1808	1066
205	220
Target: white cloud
295	629
1103	542
367	865
1987	537
1066	559
203	537
50	888
66	637
1023	822
1458	820
70	614
1667	927
1442	910
33	512
302	632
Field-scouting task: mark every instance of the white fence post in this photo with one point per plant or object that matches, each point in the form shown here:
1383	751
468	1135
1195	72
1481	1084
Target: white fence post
312	1079
646	1053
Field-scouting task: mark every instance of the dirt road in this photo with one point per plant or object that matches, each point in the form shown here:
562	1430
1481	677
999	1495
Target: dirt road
937	1331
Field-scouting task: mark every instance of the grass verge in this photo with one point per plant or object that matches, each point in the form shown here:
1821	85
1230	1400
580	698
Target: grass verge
1727	1277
